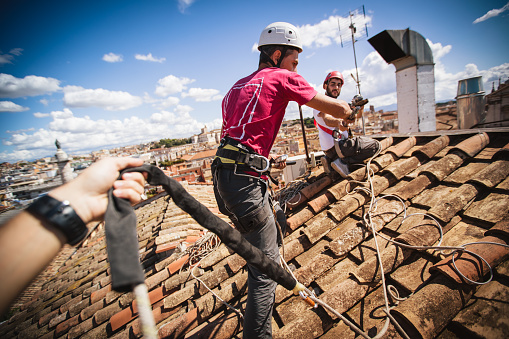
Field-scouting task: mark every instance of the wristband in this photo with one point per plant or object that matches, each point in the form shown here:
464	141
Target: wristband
60	215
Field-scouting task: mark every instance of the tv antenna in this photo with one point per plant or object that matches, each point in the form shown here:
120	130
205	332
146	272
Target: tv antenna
352	28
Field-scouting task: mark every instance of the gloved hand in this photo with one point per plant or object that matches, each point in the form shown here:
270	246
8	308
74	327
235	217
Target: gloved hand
359	101
298	288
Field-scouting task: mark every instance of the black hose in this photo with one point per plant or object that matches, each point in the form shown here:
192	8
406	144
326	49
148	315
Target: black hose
228	235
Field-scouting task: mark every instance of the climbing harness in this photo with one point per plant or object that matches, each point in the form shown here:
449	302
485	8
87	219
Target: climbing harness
233	152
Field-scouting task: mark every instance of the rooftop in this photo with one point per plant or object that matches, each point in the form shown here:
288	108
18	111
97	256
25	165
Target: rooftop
460	178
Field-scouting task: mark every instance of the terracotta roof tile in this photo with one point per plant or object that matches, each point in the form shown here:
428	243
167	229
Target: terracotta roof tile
89	311
460	177
180	325
492	208
63	327
99	294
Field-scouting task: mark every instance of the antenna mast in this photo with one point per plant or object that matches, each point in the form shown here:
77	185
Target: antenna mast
356	18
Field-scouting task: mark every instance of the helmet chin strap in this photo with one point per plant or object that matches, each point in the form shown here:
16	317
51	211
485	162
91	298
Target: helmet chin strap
283	54
269	59
329	94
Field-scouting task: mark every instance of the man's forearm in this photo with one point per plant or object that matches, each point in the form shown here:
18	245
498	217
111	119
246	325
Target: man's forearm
337	108
330	121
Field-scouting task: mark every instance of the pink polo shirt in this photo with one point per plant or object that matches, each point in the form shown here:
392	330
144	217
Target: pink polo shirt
254	107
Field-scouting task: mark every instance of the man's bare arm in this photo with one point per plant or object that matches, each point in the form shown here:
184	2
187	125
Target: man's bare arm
330	121
337	108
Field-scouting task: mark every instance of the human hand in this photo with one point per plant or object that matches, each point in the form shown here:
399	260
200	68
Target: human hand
278	162
352	117
347	110
88	193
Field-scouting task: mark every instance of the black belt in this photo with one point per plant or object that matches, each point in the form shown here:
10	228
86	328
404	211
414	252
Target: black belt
232	152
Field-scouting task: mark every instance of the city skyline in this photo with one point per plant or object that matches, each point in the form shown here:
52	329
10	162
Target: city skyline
101	75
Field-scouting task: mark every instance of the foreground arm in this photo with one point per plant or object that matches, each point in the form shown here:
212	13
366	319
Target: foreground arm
28	244
337	108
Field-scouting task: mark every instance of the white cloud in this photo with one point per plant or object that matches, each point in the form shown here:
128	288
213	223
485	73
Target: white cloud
65	114
171	85
83	134
332	30
492	13
9	106
149	57
168	102
20	131
184	4
163	103
31	85
41	115
45	102
112	57
201	94
8	57
75	96
16	51
378	78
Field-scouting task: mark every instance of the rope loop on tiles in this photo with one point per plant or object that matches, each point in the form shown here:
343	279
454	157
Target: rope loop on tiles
201	249
390	288
241	315
198	252
291	190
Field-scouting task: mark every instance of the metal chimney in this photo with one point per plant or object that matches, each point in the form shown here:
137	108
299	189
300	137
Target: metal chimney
470	103
409	52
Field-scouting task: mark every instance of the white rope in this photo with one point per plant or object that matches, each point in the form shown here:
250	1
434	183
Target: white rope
214	294
390	288
201	250
148	325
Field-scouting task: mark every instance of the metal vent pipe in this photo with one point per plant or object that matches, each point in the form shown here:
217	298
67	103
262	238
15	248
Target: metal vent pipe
409	52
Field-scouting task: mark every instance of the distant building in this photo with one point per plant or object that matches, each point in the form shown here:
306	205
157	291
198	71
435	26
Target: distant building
206	137
497	102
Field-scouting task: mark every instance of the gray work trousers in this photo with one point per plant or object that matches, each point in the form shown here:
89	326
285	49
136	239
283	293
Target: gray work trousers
245	200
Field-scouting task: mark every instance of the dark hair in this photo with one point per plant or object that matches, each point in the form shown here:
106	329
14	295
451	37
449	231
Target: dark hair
267	51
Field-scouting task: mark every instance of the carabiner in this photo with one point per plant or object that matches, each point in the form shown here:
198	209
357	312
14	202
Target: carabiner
266	161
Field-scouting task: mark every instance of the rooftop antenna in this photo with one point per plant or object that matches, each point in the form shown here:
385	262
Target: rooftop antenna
352	28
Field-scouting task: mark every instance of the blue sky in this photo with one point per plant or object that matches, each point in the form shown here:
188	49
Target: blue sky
98	74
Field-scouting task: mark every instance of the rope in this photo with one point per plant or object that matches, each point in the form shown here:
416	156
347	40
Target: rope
201	249
214	294
148	326
390	288
292	189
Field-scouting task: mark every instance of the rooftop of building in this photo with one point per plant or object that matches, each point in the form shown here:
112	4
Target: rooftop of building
458	177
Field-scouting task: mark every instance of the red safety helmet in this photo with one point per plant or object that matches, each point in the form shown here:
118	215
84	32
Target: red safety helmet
334	74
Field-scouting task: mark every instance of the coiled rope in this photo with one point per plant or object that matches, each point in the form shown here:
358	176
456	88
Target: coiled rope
390	288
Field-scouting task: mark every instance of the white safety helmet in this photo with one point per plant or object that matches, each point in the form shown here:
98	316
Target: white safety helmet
280	33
